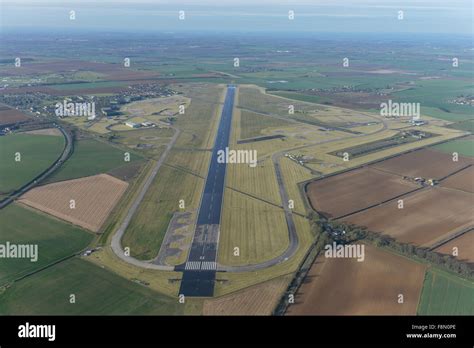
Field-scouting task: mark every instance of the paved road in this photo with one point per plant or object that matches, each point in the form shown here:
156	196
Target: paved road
50	170
199	271
117	237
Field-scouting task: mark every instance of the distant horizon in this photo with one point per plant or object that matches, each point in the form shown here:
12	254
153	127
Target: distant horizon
243	16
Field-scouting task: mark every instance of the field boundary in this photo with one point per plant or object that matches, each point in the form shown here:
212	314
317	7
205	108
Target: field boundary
366	164
63	157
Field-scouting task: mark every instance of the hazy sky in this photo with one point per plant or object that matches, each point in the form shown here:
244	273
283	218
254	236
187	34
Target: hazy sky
420	16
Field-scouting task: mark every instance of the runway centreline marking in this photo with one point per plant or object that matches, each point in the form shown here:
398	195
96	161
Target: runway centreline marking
206	235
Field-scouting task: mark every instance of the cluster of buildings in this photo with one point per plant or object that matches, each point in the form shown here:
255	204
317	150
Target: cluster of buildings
146	124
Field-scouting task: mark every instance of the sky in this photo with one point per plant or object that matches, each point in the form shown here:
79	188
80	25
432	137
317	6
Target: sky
341	16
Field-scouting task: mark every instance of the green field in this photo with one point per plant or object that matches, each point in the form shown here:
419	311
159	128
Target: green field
446	294
464	147
466	125
55	239
96	291
91	157
37	153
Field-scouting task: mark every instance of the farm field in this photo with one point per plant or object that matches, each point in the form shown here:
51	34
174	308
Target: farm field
464	147
446	294
428	216
97	292
9	115
94	198
463	180
91	157
55	239
259	299
37	153
423	163
357	189
343	286
464	245
466	125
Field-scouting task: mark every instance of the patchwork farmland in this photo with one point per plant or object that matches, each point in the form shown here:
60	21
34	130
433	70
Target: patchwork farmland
93	198
355	190
424	163
433	190
56	239
429	216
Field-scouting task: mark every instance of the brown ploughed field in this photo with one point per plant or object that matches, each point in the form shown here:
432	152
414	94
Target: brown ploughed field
343	286
428	164
428	216
357	189
464	245
9	115
94	196
464	180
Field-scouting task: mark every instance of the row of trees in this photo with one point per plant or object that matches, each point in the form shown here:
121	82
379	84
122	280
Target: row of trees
334	231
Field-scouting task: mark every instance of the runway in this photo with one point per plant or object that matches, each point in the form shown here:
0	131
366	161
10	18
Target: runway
199	271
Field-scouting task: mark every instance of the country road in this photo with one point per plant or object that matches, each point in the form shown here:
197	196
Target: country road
50	170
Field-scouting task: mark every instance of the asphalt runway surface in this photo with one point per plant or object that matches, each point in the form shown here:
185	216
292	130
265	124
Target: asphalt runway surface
199	271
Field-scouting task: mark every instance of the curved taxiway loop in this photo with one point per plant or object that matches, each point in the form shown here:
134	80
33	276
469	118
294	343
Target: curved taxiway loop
292	235
117	237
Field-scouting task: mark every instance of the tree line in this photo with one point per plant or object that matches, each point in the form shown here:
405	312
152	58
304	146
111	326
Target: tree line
342	233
